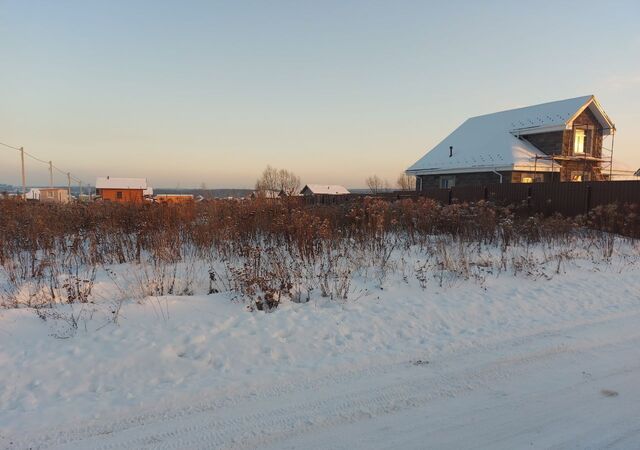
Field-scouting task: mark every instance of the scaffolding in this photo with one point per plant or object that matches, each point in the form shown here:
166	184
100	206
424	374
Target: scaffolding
587	158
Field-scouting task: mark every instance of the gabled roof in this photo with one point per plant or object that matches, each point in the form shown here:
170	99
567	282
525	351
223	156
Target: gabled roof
121	183
327	189
491	142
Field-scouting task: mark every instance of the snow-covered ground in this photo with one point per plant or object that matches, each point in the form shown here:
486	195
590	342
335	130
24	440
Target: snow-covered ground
549	357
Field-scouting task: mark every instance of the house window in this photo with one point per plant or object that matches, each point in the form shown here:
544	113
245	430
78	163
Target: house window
578	141
119	195
577	175
532	178
447	182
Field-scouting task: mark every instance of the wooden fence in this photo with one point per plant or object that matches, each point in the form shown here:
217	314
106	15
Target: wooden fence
568	199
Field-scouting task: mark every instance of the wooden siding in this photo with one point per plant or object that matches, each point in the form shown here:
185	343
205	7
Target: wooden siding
128	195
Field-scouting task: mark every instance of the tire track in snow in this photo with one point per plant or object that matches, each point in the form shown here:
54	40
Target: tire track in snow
404	389
254	430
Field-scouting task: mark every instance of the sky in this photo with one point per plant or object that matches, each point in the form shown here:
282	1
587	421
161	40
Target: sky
187	93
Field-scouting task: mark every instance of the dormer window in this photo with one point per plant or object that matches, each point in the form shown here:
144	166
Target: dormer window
578	141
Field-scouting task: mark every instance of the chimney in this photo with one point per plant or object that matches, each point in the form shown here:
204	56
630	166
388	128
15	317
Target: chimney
450	151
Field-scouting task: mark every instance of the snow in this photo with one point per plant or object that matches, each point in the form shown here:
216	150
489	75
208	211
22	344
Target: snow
121	183
33	194
490	142
329	189
504	361
621	171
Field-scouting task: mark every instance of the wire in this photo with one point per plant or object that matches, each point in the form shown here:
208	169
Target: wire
48	163
10	146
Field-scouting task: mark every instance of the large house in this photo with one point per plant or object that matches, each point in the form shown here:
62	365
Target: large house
122	190
557	141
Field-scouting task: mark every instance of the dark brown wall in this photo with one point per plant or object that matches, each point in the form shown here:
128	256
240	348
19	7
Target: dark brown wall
549	143
464	179
476	179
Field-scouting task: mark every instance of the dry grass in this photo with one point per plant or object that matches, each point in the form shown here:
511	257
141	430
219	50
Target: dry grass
267	251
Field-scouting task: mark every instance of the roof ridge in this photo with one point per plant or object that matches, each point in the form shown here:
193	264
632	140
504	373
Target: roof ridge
586	97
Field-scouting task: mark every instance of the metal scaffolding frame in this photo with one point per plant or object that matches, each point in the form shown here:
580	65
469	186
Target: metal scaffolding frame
585	158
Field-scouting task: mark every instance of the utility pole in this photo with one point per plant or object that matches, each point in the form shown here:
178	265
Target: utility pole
24	179
50	174
69	185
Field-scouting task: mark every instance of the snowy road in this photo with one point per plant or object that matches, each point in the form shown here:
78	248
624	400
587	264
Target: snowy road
572	386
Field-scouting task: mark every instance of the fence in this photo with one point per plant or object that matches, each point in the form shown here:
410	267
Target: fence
568	199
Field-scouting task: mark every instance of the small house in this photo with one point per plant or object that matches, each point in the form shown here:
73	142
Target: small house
323	189
323	194
53	195
557	141
122	190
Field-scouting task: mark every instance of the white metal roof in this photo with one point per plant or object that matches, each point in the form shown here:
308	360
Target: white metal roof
330	189
621	171
491	142
121	183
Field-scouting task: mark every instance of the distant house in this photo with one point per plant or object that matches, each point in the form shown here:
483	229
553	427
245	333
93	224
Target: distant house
323	194
557	141
266	193
32	194
53	195
122	190
174	198
323	189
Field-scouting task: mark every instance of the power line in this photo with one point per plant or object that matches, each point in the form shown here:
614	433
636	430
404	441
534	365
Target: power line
36	158
10	146
48	163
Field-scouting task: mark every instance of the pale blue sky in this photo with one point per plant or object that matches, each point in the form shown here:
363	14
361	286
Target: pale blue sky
190	92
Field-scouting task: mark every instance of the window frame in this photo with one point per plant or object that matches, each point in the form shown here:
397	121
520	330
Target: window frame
579	132
449	179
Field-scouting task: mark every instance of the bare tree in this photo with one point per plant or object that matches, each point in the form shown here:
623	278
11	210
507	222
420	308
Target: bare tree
406	182
289	183
276	180
375	184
